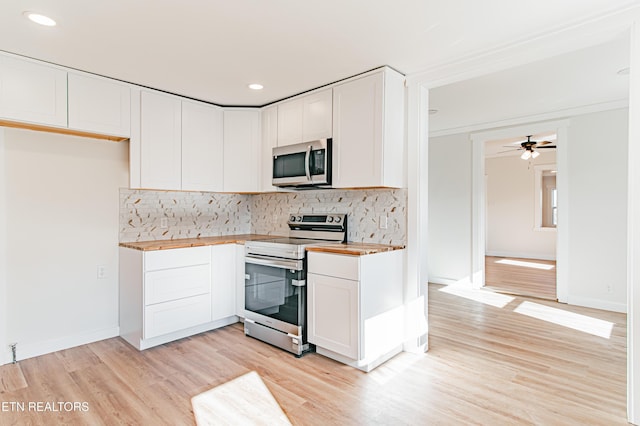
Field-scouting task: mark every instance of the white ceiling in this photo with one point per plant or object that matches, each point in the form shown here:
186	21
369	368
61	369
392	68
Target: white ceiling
554	86
211	50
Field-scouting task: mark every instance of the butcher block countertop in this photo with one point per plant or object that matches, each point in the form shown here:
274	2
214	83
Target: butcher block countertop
195	242
354	249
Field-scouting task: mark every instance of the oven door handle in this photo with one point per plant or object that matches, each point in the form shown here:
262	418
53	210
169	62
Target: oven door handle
294	265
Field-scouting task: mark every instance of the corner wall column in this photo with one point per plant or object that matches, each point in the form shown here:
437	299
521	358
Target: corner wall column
416	272
4	345
633	232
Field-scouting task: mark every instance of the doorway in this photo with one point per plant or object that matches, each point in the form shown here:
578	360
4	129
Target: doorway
521	215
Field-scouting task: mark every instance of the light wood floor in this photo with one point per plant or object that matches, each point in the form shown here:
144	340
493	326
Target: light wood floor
515	278
486	365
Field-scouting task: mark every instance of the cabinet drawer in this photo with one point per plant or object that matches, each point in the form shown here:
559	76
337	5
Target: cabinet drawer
164	318
170	284
335	265
176	258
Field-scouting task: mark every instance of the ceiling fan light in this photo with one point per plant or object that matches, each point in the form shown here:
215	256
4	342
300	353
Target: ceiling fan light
534	154
526	155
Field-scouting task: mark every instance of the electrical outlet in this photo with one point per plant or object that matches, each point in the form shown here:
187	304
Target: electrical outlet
164	223
609	288
383	223
102	272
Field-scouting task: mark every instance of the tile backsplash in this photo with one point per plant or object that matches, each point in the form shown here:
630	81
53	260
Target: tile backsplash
204	214
364	209
187	215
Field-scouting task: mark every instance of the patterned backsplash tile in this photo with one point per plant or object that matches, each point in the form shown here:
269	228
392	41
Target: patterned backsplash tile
193	214
187	215
364	209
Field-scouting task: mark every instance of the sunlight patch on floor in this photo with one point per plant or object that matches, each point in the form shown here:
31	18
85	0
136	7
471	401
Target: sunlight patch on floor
579	322
526	264
483	296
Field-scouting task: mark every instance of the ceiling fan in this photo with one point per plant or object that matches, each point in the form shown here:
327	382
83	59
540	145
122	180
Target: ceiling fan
528	148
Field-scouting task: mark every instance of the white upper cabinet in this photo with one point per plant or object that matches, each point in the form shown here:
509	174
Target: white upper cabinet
305	118
99	105
317	117
241	150
290	122
32	92
160	141
202	147
368	131
269	141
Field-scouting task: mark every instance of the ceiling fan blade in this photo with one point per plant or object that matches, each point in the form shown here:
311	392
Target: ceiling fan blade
543	143
546	146
509	150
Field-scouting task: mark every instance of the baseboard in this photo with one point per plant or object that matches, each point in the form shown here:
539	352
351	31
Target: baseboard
520	255
604	305
448	281
30	350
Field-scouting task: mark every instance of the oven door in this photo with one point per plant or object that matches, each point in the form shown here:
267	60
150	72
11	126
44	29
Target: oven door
275	293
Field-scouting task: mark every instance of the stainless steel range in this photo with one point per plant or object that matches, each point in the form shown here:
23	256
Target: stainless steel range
275	280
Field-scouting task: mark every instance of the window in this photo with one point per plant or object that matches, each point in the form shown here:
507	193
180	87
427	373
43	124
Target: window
549	200
546	201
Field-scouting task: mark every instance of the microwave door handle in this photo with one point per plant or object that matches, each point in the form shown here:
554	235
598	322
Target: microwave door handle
307	158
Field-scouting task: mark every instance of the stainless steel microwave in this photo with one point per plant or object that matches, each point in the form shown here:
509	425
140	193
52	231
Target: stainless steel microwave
305	164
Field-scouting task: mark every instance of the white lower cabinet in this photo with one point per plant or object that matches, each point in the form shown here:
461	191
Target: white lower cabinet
166	295
355	306
175	315
223	277
333	314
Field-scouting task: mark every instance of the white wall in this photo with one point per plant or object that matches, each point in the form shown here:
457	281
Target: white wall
510	195
597	153
597	205
62	222
5	355
449	228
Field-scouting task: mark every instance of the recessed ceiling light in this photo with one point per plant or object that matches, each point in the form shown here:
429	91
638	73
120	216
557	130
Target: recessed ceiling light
433	111
256	86
39	19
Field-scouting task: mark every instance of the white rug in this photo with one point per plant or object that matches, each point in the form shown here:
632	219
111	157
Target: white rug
244	400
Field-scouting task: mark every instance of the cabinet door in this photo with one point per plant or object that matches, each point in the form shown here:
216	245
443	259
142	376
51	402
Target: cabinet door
333	311
223	281
202	147
160	147
269	141
317	116
357	133
32	92
99	105
241	148
290	122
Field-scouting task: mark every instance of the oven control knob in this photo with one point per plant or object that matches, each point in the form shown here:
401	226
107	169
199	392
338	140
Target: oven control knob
292	219
337	219
330	219
299	219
